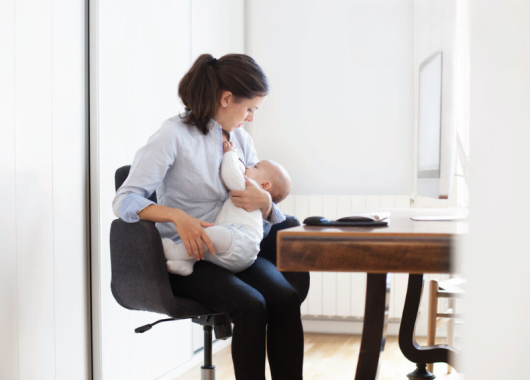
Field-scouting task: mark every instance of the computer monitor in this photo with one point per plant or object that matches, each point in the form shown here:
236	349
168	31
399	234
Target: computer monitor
436	137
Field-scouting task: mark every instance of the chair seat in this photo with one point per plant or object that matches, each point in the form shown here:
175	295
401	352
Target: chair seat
140	280
452	288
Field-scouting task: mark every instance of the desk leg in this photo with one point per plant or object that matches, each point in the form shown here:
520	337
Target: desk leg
407	343
374	326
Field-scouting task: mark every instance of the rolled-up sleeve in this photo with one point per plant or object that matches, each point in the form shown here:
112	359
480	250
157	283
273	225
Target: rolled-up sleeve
148	170
276	215
131	205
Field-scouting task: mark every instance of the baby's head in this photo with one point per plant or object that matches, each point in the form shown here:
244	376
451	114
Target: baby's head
271	177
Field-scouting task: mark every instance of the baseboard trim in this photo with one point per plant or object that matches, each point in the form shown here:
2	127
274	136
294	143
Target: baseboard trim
353	326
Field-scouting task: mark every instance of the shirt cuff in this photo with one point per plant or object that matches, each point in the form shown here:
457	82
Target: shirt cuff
131	205
266	227
276	215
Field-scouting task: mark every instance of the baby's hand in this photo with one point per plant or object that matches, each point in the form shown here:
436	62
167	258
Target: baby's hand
229	147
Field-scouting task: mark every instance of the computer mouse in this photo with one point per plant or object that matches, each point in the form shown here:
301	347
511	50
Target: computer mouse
315	220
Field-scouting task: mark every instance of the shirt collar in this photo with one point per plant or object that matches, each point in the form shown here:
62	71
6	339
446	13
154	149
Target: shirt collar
214	125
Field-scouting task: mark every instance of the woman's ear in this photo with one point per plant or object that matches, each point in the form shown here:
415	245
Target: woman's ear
266	185
226	97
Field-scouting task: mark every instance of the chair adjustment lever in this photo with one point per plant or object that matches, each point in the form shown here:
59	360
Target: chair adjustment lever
148	327
223	331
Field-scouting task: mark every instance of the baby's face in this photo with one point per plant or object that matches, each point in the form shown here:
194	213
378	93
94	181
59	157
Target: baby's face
259	172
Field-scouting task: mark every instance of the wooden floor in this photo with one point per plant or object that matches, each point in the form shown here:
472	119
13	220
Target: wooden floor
333	357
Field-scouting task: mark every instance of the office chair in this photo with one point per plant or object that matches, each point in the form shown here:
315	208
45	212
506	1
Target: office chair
143	283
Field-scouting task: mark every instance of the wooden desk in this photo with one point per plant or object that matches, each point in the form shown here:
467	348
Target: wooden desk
405	246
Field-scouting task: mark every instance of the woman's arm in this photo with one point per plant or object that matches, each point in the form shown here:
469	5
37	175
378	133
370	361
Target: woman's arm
253	198
148	169
190	229
245	194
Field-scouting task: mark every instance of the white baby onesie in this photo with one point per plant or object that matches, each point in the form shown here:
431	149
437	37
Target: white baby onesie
236	235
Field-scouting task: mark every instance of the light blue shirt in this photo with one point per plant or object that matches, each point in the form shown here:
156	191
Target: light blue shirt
182	165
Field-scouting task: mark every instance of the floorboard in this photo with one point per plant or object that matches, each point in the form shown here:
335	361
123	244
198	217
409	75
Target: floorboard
334	357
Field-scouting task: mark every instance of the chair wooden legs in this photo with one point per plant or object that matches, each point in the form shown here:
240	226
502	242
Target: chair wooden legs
431	318
433	322
451	328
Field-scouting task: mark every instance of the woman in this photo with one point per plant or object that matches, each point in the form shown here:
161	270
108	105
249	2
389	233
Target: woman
181	162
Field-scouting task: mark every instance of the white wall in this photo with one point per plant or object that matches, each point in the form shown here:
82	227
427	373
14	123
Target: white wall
496	260
44	301
139	52
340	113
340	116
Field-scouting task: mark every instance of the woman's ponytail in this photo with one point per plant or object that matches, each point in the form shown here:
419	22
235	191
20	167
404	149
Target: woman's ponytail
200	89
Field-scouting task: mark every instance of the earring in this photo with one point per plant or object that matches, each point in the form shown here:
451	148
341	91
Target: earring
225	105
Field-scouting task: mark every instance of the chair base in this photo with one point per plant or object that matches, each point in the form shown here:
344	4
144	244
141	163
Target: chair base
208	373
221	323
223	330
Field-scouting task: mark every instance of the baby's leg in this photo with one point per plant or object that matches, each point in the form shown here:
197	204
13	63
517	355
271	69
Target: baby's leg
178	261
221	238
235	247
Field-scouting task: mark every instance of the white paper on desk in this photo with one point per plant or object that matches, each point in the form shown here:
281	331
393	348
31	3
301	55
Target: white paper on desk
438	218
366	216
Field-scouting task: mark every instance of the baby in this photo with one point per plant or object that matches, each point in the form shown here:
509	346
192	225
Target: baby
237	233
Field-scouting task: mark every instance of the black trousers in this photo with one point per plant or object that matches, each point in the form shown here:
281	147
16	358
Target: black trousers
263	306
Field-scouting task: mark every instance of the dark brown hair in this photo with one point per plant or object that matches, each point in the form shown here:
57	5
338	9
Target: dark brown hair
200	89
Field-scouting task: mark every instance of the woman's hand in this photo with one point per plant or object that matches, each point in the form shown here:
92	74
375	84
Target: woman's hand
192	235
253	198
188	227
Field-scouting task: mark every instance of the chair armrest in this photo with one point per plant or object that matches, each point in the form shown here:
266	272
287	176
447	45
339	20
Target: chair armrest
140	280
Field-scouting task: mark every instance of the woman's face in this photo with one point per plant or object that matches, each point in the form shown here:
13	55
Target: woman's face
232	115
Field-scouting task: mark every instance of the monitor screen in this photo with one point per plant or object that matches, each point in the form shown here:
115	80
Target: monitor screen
430	117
